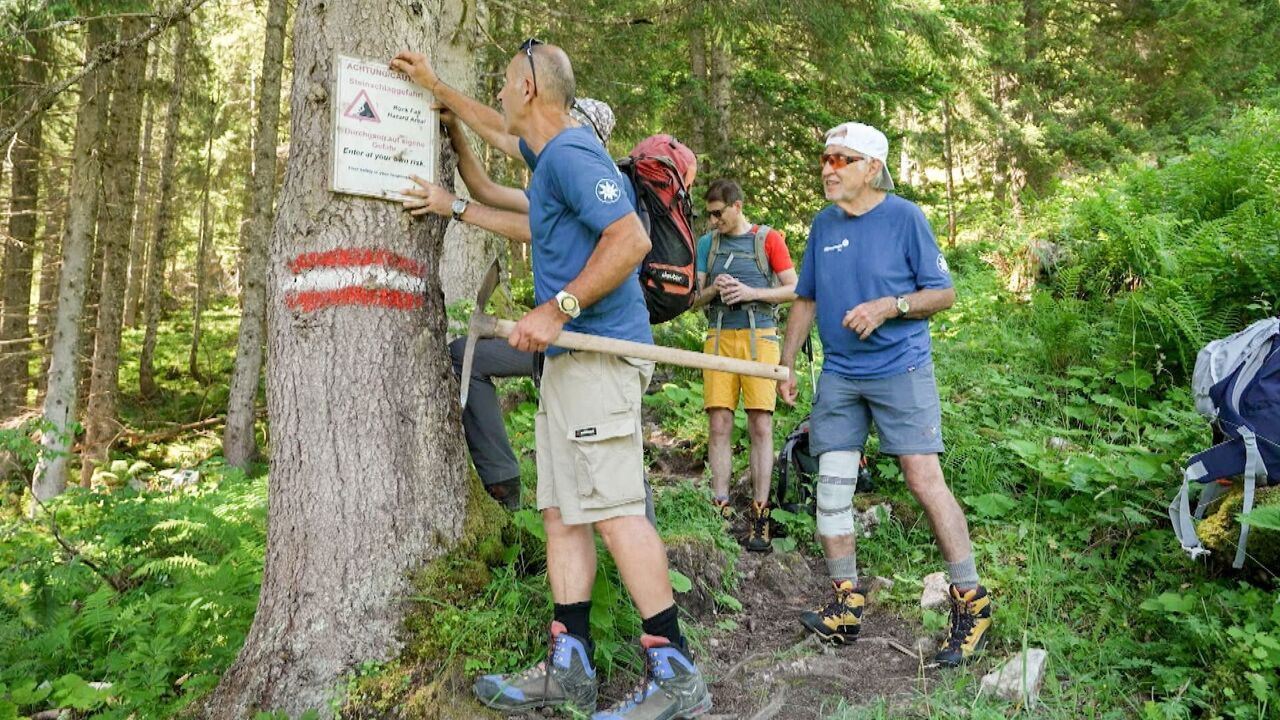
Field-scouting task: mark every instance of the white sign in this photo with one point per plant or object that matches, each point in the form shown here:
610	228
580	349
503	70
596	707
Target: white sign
383	130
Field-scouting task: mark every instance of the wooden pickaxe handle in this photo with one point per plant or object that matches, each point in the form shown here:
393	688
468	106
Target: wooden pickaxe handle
489	326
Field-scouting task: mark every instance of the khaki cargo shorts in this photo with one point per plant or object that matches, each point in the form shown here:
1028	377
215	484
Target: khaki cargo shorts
589	447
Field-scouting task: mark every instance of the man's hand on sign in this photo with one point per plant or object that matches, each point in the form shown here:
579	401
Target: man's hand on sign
538	328
732	291
865	318
428	198
417	67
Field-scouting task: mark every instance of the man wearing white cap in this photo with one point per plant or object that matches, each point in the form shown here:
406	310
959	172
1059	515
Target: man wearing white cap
872	275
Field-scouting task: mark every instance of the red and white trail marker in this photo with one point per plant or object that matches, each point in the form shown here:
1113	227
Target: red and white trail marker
368	277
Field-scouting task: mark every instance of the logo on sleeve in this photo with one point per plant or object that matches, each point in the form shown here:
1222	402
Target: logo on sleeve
607	191
942	265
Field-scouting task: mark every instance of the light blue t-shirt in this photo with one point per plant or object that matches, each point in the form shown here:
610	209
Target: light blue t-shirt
576	192
886	252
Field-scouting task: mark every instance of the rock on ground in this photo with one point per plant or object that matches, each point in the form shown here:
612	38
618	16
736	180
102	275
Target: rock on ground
1019	679
935	595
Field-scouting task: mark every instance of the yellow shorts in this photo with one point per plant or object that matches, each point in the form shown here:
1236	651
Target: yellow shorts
721	389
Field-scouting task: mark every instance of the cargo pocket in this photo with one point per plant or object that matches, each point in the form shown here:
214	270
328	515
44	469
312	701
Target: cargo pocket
608	461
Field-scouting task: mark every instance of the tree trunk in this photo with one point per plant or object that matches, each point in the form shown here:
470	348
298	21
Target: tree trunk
15	330
239	445
202	251
354	391
120	180
77	248
721	96
951	177
50	261
156	255
698	74
142	213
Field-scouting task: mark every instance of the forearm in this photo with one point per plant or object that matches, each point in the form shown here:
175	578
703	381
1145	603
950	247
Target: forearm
613	262
928	302
506	223
798	323
482	119
777	295
478	181
705	294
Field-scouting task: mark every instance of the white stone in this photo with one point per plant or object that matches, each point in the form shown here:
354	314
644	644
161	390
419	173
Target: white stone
1019	679
936	592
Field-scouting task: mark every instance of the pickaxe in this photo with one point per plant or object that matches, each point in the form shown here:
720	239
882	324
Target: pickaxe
483	325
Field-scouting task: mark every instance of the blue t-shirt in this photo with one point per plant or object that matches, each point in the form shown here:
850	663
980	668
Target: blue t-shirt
576	192
886	252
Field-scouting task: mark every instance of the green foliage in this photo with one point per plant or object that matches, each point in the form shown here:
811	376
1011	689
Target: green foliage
1187	251
188	564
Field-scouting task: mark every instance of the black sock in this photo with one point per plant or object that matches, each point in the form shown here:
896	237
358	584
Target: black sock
576	617
666	624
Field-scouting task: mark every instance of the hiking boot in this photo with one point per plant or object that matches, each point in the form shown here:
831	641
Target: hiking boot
672	688
507	493
565	679
970	621
760	534
840	620
724	509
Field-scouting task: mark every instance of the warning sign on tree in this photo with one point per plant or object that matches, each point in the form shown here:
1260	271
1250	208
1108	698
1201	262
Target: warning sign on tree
384	130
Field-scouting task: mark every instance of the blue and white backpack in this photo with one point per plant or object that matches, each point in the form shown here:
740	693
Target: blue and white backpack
1237	386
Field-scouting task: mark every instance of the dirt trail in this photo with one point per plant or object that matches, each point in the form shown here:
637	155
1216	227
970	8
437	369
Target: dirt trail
770	668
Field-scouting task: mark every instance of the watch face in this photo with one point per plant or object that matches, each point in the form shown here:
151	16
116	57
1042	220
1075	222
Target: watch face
903	306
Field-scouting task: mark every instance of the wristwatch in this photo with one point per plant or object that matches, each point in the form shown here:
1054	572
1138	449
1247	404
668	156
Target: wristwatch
459	206
568	304
904	307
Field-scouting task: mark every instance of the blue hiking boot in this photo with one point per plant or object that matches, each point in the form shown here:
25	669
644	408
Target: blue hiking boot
565	679
673	688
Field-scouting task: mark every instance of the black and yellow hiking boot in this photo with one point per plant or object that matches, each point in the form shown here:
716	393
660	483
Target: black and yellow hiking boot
672	687
760	534
840	620
565	679
970	621
725	510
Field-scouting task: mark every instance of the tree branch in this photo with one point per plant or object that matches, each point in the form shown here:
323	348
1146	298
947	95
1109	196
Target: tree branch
105	56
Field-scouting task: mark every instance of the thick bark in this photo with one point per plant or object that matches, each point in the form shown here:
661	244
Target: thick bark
202	252
77	246
239	445
160	236
354	391
15	331
143	210
119	181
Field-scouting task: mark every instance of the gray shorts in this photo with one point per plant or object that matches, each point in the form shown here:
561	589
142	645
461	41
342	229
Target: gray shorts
904	407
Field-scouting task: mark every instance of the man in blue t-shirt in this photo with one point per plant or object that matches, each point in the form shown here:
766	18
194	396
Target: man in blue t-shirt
587	246
872	275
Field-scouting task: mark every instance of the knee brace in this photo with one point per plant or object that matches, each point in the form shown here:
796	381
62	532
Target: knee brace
837	478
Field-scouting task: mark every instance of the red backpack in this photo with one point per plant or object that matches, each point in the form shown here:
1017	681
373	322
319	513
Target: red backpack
657	167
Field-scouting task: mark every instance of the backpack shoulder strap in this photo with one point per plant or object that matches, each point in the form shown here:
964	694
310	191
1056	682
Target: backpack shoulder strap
762	255
713	251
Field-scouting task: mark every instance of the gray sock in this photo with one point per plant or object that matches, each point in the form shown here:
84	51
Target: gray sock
964	574
845	568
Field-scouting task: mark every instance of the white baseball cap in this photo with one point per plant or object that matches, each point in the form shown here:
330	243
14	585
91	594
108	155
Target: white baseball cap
868	141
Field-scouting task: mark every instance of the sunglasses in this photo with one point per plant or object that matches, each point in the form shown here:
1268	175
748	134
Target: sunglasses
715	214
527	46
838	161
